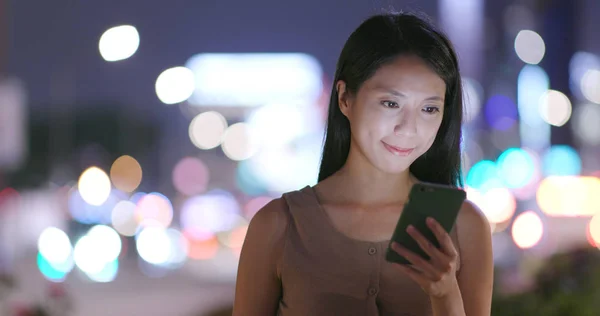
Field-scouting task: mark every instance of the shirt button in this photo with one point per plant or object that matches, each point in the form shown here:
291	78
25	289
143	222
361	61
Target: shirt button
372	291
372	251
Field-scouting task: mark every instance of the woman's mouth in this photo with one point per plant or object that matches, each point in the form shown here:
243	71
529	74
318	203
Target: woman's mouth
398	151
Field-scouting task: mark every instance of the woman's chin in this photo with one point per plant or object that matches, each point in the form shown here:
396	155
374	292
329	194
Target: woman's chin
394	168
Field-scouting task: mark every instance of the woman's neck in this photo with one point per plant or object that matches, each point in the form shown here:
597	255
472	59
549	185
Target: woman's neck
356	184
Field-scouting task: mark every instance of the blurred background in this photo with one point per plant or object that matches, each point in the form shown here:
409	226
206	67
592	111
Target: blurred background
138	138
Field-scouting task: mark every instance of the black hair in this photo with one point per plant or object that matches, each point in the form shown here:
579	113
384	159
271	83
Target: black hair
378	41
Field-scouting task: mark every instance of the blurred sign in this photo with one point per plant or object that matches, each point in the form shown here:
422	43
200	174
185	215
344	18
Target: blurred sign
254	79
13	118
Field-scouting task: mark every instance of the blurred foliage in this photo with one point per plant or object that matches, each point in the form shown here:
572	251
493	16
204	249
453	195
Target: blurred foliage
57	303
568	284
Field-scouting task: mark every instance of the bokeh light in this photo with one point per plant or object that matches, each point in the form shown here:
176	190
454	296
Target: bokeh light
530	47
590	85
527	230
86	213
154	208
119	42
54	245
126	173
569	196
580	63
202	248
271	165
234	239
206	129
501	112
247	180
555	108
175	85
533	82
498	204
108	273
516	167
97	252
123	218
472	96
561	160
94	186
594	230
55	254
52	271
254	79
136	197
107	242
86	256
585	123
205	215
154	245
484	175
180	248
190	176
528	191
277	124
238	143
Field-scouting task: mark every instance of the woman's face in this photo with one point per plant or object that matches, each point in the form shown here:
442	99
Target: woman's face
395	115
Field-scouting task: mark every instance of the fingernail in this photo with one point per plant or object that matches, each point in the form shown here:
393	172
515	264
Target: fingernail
410	228
430	220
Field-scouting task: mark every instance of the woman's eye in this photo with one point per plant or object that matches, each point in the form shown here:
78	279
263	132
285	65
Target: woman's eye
431	109
389	104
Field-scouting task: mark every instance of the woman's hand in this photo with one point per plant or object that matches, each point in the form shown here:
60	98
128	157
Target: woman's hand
437	276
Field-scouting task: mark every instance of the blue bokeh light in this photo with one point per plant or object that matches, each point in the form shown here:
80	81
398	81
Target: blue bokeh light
501	112
51	272
484	176
561	160
516	167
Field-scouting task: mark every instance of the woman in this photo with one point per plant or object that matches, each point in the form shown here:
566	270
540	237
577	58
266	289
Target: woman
394	119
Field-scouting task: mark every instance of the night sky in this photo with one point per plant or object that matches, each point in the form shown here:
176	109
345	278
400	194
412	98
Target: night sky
54	44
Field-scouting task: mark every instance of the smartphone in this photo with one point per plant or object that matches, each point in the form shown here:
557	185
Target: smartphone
441	202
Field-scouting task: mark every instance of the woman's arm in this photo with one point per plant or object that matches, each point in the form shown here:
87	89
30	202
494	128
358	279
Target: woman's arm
476	275
258	286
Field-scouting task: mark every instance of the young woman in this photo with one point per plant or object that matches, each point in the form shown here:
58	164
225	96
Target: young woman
394	119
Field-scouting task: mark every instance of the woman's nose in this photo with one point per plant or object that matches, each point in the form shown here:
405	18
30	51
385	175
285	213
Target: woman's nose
407	126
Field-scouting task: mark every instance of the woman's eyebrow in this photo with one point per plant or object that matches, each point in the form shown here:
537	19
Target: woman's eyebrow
402	95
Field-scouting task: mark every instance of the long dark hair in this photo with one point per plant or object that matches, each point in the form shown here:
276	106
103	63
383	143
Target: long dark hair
376	42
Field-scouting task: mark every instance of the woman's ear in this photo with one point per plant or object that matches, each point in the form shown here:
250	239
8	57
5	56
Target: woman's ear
343	97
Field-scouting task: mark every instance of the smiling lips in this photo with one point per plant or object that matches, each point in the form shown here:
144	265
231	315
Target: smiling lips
397	150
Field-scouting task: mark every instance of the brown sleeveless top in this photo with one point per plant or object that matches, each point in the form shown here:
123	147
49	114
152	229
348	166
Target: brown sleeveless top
325	273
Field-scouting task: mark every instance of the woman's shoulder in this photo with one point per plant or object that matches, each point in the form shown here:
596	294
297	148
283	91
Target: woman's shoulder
272	218
275	216
473	230
471	217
